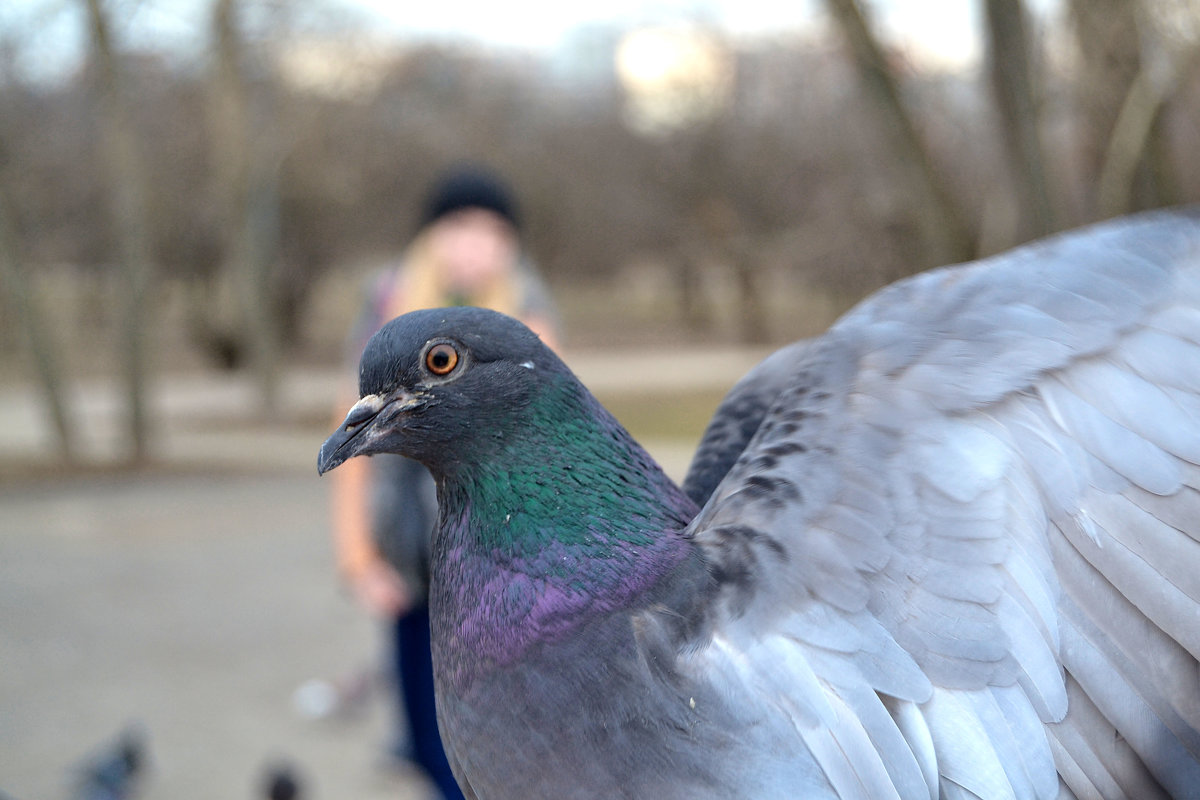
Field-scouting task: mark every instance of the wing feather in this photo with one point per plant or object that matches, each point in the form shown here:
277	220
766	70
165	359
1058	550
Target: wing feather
1162	358
970	517
967	756
1094	763
904	770
1027	741
1149	736
1169	421
1128	454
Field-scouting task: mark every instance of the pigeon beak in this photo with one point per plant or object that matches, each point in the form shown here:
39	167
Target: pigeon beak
342	443
359	434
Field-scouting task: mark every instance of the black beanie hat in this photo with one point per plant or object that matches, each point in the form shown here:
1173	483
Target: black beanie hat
469	186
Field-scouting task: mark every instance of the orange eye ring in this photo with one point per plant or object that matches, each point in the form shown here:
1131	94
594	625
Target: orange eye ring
441	359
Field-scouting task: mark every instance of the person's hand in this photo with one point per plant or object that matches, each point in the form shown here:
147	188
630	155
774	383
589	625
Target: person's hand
381	590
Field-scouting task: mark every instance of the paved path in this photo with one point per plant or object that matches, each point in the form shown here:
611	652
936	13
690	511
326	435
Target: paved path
192	605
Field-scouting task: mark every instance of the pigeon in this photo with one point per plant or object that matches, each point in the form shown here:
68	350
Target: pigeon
949	548
281	781
116	772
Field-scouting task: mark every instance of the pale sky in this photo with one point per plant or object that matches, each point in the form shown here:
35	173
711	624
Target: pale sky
947	26
945	32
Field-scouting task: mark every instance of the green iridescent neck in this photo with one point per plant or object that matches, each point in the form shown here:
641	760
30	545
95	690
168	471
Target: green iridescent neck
565	520
568	473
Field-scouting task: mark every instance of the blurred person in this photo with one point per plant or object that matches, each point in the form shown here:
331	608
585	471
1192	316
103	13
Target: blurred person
467	251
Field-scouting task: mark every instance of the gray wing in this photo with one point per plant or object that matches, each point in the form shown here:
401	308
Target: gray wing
961	551
737	418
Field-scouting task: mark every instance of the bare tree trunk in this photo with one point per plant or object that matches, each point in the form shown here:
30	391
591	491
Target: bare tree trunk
1133	132
693	306
14	283
256	252
1012	88
752	305
944	228
130	220
246	183
1108	36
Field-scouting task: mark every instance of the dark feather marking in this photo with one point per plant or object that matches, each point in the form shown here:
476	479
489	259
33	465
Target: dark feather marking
769	457
786	449
775	487
733	561
763	461
737	420
772	492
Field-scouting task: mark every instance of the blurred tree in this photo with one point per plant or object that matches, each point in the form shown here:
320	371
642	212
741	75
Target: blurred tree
802	180
710	186
1012	77
127	183
1169	49
1108	34
945	231
14	285
245	176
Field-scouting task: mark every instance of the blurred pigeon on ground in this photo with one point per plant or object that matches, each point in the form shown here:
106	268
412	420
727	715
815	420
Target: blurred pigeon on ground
281	781
116	771
951	548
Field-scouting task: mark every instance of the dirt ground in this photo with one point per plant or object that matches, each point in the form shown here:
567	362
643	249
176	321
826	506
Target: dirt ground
194	599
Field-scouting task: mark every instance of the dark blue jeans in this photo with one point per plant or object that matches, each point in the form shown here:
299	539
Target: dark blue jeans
414	684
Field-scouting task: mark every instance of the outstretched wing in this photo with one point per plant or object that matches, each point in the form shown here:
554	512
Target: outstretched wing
962	550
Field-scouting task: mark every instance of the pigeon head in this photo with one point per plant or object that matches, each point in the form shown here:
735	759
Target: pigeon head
548	510
442	385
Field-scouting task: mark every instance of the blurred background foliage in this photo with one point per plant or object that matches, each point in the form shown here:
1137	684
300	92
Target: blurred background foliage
217	205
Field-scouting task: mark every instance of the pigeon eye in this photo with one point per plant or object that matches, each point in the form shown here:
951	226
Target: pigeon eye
441	359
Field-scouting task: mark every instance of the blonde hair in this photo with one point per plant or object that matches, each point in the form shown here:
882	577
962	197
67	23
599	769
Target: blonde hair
422	284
